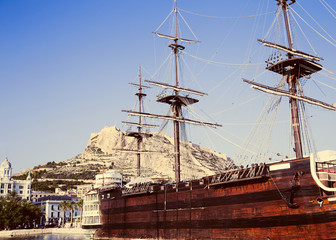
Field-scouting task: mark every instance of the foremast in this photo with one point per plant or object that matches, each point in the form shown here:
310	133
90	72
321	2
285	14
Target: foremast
298	64
138	135
176	100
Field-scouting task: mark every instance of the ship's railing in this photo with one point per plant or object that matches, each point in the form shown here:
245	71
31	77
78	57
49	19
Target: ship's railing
238	175
326	171
138	189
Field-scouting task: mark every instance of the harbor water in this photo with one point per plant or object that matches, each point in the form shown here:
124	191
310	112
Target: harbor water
48	237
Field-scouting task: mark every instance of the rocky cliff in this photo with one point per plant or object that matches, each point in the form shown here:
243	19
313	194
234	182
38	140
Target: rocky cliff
106	147
105	151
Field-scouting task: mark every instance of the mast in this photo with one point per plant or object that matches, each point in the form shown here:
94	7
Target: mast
176	108
139	135
139	139
292	78
297	65
175	100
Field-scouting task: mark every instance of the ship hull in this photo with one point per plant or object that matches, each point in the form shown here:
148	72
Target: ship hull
280	202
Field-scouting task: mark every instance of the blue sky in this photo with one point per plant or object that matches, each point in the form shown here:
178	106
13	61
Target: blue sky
65	68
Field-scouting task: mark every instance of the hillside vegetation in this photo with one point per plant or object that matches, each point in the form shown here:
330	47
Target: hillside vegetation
103	151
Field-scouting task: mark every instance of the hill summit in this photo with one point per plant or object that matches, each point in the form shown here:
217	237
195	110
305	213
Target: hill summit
104	151
196	161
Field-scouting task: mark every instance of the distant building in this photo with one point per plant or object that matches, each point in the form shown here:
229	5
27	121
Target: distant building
83	189
7	185
35	195
91	209
108	178
52	212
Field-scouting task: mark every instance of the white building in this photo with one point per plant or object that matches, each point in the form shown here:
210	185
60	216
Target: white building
35	195
108	178
52	212
83	189
7	185
91	209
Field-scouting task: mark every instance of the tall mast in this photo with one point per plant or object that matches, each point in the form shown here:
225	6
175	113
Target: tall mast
292	78
176	100
139	139
139	135
176	108
297	65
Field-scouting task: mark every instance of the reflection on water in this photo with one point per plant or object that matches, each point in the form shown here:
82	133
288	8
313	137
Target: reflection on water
49	237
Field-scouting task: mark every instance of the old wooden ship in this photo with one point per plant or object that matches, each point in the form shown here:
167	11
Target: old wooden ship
290	199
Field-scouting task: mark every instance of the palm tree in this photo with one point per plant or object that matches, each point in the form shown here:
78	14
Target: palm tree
80	206
63	206
71	206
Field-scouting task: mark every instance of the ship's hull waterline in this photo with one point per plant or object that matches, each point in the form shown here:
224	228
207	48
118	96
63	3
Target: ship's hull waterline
279	201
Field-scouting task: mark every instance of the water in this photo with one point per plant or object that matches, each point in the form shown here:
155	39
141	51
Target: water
49	237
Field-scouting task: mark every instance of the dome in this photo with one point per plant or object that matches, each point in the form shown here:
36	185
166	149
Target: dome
6	164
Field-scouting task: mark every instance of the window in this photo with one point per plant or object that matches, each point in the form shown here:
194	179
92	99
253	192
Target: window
52	207
21	187
9	191
2	185
21	192
9	185
2	191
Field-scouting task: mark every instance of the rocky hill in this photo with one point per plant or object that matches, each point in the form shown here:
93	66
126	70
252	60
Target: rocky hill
103	151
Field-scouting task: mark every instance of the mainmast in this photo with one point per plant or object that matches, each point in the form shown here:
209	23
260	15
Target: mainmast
176	106
297	65
176	100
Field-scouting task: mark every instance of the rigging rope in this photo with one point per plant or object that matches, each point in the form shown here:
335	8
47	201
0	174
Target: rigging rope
197	116
222	63
187	25
202	15
274	21
192	74
164	20
248	124
322	83
314	29
325	75
305	36
157	71
316	22
324	4
231	108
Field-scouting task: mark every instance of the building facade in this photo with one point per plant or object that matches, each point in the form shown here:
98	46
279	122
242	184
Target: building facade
91	211
7	185
52	211
91	207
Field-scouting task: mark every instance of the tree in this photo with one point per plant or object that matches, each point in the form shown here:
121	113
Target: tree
15	212
80	204
72	206
63	206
